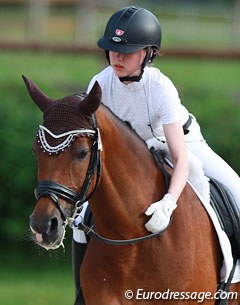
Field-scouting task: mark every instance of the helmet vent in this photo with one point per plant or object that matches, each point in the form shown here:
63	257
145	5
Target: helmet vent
128	13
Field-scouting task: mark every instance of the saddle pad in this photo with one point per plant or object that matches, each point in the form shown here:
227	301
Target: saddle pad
224	243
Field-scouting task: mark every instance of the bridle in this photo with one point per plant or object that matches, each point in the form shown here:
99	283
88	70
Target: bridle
55	190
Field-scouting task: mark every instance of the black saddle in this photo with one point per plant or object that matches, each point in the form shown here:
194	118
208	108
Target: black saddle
227	212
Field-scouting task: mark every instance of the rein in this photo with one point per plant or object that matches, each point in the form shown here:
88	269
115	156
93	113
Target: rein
122	242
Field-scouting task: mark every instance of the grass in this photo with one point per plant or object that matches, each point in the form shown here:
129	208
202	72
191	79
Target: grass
31	276
37	286
57	72
209	88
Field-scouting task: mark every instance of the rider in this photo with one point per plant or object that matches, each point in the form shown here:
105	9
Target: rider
145	97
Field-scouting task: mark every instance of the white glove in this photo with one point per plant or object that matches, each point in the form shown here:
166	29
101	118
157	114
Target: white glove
161	212
154	143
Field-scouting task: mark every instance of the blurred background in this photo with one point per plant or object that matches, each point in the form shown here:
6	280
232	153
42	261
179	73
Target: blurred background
53	42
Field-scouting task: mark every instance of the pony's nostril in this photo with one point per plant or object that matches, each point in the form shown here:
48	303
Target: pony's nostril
53	225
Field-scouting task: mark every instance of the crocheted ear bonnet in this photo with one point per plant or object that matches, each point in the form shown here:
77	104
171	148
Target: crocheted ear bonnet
66	118
62	123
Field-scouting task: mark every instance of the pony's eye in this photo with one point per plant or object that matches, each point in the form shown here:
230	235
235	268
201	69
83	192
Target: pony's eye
80	154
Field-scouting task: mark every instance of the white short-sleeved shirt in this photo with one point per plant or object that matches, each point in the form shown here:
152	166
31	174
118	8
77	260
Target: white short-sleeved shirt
153	100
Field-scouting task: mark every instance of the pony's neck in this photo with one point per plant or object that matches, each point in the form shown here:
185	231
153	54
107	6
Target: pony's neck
130	180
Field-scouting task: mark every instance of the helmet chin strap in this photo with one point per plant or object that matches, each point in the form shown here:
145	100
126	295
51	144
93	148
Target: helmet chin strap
136	78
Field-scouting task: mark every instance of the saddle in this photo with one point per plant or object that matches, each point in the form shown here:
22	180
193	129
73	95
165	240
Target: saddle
227	212
228	215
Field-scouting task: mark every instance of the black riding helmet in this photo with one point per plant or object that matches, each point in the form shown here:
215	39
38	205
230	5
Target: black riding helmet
129	30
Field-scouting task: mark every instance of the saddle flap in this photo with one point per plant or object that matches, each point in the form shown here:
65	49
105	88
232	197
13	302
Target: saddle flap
227	212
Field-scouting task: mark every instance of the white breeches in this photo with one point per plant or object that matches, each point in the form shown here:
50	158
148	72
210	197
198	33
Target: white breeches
213	165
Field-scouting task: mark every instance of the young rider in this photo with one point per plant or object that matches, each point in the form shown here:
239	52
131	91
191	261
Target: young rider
146	98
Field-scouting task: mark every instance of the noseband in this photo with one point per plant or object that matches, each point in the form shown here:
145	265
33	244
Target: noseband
55	190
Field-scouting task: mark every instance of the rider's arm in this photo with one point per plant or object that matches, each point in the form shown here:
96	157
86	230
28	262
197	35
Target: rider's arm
161	211
177	148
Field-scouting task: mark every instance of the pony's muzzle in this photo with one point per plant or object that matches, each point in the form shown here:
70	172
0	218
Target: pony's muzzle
46	225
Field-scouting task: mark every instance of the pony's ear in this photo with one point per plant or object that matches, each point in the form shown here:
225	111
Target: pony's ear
38	96
92	101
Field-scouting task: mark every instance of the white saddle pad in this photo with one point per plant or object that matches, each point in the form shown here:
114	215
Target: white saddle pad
224	243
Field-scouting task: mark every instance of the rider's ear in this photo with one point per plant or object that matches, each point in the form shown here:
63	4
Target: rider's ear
37	95
92	101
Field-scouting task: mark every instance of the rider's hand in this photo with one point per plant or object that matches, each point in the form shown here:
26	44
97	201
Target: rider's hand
155	144
161	212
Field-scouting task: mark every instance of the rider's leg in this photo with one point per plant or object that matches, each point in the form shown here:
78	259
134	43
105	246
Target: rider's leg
215	167
78	251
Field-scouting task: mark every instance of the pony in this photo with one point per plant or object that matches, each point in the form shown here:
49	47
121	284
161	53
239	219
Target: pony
85	152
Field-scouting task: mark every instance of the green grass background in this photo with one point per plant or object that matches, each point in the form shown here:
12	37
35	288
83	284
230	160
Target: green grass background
209	88
29	276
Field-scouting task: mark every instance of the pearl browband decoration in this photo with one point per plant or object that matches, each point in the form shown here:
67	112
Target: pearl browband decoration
69	138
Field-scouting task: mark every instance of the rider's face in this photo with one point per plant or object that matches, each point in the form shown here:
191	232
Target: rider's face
127	64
